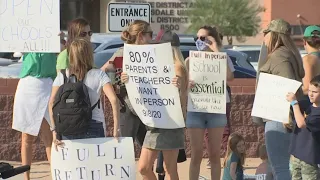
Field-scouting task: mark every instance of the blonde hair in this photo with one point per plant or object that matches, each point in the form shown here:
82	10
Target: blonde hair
179	60
74	29
136	28
178	57
277	40
80	58
233	141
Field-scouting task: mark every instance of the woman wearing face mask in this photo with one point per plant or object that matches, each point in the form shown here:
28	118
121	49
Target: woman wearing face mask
207	40
226	131
283	60
77	28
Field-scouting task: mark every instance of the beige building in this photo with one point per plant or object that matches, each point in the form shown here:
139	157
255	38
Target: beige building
171	14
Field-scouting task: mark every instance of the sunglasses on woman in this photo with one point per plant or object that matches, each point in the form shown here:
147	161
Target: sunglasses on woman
84	34
201	38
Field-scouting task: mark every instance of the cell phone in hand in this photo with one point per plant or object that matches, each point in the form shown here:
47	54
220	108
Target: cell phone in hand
208	41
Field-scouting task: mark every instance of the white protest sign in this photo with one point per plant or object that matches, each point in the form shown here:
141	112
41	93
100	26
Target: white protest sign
120	15
209	71
94	159
154	98
270	98
29	26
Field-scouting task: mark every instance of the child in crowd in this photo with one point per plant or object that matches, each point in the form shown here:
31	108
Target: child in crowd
305	142
234	159
263	171
263	167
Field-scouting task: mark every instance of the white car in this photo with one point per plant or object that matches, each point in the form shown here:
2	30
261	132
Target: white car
104	41
252	52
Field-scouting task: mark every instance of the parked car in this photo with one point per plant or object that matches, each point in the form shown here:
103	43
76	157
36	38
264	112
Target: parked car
106	44
102	57
186	44
252	52
9	58
10	71
105	41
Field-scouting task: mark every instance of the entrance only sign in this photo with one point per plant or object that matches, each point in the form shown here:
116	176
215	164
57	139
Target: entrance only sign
120	15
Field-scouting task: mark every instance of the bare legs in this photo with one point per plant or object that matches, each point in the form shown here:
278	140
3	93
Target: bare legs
214	141
146	161
196	140
26	145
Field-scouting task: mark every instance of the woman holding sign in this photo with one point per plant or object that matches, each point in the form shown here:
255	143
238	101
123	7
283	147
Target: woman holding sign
208	39
283	60
169	141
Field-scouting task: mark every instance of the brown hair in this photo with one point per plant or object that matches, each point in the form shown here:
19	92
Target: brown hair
74	29
314	40
277	40
136	28
316	81
263	152
233	141
80	57
213	31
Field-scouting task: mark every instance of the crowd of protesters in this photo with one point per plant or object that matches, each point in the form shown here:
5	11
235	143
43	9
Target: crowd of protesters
291	151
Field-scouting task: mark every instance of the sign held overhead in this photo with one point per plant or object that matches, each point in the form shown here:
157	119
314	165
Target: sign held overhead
120	15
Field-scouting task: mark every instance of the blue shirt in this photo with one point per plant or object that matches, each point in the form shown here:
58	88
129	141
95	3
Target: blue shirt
305	142
239	171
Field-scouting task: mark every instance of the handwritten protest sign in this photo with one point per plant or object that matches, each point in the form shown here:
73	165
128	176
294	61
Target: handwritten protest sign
29	26
155	100
208	70
270	99
94	159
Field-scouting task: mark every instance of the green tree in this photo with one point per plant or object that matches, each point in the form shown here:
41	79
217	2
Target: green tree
237	18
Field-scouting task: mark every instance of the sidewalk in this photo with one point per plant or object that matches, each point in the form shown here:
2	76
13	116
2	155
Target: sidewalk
41	170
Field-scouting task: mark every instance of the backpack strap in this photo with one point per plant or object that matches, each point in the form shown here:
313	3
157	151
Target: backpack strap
65	78
95	105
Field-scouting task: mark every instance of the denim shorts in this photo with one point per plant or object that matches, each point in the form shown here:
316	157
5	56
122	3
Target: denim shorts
205	120
95	131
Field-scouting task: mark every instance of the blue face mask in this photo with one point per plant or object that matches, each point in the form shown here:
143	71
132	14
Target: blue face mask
201	45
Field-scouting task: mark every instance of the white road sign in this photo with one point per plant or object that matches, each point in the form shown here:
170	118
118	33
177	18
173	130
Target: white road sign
120	15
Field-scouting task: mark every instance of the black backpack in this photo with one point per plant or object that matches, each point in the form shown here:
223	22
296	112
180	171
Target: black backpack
72	110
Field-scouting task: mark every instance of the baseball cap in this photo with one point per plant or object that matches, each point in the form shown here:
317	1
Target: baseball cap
309	32
279	26
165	36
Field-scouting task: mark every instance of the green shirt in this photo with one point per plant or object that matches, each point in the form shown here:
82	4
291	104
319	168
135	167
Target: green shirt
63	60
39	65
239	171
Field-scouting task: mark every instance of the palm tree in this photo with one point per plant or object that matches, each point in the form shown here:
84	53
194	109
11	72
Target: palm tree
237	18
